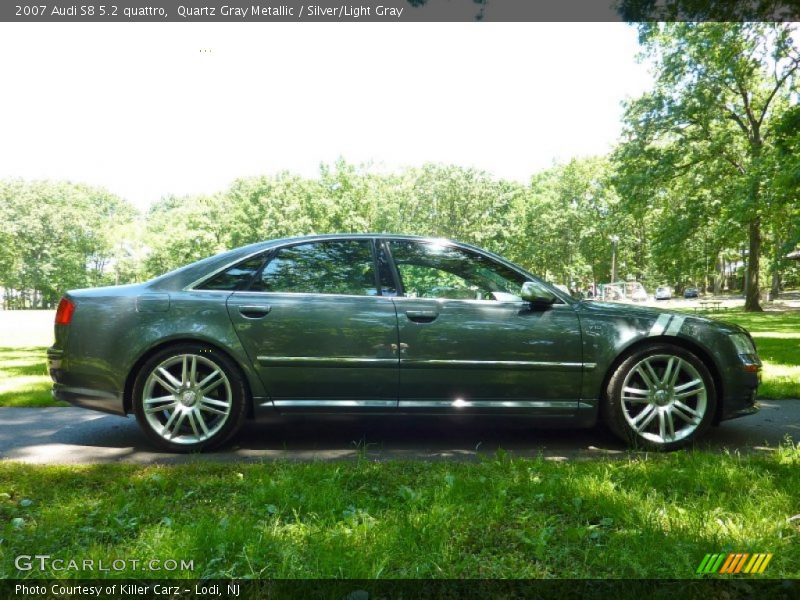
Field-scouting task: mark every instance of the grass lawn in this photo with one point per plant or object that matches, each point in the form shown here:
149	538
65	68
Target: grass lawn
24	337
24	380
644	516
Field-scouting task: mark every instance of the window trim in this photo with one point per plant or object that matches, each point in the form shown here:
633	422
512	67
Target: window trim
376	276
387	251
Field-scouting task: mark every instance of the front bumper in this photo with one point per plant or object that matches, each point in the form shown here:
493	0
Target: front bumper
740	399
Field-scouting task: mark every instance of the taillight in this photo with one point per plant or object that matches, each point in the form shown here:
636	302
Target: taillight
64	311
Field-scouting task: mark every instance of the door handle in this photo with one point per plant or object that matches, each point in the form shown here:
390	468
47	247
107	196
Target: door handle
422	316
255	312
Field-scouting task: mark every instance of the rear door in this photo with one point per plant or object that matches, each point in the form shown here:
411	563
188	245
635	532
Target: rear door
317	328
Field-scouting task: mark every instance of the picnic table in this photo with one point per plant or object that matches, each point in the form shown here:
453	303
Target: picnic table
711	305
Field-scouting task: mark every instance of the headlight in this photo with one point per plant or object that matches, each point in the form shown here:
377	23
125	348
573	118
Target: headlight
746	350
743	343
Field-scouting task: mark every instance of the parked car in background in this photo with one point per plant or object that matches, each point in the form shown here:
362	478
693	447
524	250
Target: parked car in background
691	292
663	292
639	294
389	324
622	291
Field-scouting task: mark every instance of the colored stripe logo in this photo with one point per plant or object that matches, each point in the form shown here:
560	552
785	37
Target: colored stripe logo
734	562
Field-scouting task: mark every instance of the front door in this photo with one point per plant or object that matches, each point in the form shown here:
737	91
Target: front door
317	329
469	342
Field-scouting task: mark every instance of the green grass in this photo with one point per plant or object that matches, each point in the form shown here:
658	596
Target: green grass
643	516
24	380
777	335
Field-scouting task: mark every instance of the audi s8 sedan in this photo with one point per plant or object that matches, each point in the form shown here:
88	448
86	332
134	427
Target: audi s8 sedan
389	324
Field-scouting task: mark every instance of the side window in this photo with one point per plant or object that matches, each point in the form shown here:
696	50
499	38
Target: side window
334	267
430	270
235	278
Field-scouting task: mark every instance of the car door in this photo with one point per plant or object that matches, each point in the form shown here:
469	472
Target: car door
468	341
317	329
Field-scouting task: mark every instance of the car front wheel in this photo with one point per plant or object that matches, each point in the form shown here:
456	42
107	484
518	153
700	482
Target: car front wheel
189	398
661	397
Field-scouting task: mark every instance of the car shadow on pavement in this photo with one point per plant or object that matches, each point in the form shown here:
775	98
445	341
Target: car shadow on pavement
70	435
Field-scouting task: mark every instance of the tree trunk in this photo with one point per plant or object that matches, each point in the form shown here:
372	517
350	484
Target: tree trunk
719	275
745	269
775	288
752	292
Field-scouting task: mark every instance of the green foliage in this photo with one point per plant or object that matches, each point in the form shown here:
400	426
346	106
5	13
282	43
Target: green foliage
438	200
699	147
56	236
526	223
570	217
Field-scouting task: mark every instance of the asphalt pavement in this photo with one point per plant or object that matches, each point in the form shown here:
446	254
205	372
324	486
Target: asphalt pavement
78	436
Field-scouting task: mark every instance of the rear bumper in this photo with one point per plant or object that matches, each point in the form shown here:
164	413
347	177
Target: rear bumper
80	396
91	399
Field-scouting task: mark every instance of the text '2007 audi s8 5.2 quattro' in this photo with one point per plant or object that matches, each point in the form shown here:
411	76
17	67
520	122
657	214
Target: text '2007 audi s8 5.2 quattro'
389	324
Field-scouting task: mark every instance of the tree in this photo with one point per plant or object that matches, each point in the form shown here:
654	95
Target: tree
183	230
784	199
56	236
706	127
570	220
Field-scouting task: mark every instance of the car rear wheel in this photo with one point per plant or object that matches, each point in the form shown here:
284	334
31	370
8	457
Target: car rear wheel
661	397
189	398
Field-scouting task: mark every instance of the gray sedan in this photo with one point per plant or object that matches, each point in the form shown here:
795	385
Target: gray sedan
389	324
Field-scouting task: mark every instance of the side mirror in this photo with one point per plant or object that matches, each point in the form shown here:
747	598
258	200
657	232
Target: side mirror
535	294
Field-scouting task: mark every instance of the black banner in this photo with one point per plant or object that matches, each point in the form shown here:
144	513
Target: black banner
397	10
405	589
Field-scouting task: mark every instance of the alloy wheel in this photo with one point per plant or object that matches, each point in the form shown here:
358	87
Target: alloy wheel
664	398
187	399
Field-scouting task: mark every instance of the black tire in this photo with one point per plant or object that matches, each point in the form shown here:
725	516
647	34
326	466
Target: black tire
642	416
206	416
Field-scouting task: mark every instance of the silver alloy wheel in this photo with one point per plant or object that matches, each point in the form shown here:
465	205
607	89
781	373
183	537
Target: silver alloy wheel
664	398
187	399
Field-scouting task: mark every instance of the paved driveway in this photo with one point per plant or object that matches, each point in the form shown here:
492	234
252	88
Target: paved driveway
74	435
